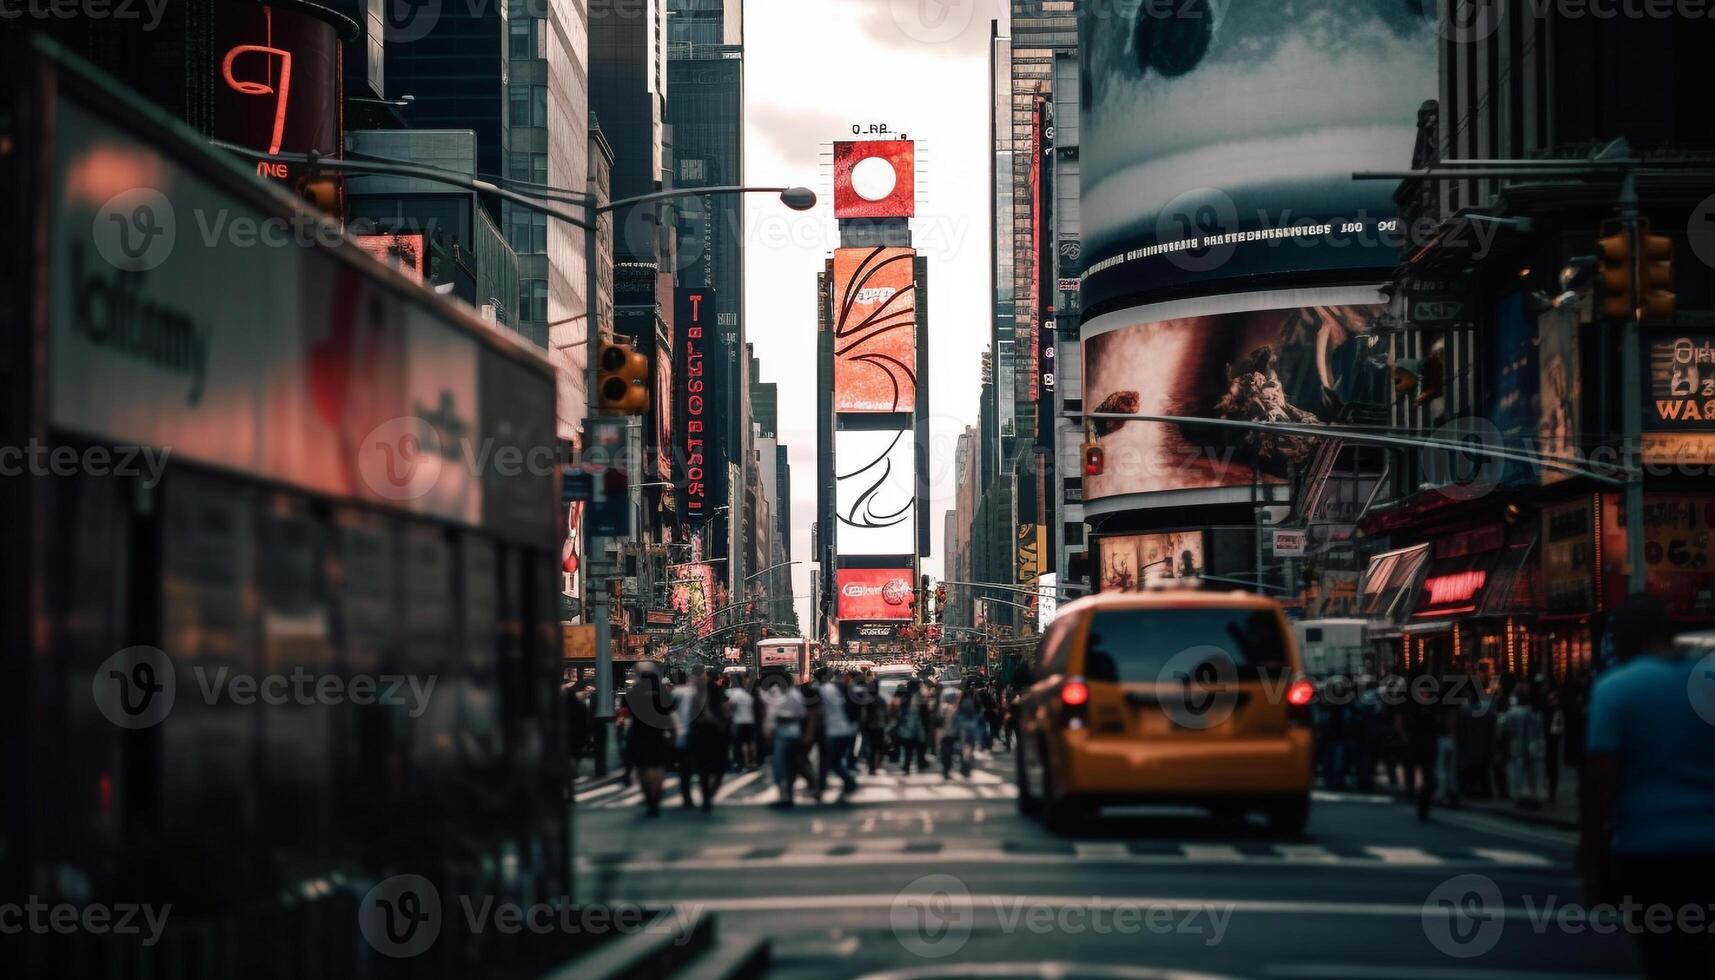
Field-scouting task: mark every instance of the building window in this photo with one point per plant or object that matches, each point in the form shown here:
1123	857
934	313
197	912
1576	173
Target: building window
1074	534
539	168
520	108
538	105
529	105
526	38
529	167
527	231
533	300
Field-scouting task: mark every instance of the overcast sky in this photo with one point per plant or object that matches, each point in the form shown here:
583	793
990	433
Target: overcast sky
814	69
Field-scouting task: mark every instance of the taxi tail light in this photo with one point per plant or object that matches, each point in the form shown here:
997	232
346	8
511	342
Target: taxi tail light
1075	702
1298	698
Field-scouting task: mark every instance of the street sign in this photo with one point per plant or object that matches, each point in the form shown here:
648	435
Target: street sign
1288	544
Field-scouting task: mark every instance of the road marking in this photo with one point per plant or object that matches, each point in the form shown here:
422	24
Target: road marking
737	783
610	789
1500	856
1306	852
1403	855
1507	828
1100	852
1044	968
887	900
1211	852
1341	971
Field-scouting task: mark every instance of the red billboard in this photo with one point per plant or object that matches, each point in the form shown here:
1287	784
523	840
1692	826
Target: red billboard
875	179
873	593
875	330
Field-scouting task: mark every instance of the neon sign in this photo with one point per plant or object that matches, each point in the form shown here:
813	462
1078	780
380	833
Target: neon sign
282	94
1458	589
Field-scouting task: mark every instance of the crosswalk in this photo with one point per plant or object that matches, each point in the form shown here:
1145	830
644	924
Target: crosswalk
756	788
829	854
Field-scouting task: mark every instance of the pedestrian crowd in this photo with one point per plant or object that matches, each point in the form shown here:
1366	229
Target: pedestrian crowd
819	732
1448	739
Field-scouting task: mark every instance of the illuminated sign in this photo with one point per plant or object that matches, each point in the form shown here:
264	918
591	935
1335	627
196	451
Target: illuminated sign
875	330
277	84
1455	589
1680	405
875	179
874	593
695	462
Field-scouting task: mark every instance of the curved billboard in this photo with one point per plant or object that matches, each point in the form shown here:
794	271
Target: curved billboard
1219	139
1304	363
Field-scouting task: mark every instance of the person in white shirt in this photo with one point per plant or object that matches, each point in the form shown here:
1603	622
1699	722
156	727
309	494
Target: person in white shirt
743	723
838	735
784	720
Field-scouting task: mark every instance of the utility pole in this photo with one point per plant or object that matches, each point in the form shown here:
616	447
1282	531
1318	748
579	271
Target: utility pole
1631	393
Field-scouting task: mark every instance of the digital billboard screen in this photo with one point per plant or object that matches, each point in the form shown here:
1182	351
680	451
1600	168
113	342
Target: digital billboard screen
874	593
1301	364
875	330
875	492
875	179
1219	139
1679	393
1130	561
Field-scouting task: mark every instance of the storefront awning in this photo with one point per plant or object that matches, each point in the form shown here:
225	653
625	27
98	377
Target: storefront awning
1471	586
1389	583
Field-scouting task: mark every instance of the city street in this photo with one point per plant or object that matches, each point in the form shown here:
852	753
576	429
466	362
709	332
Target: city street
921	875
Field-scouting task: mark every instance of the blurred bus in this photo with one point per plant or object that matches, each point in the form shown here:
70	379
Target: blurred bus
286	624
792	654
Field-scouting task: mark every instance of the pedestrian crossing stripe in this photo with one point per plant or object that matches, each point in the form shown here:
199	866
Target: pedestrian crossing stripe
756	788
916	851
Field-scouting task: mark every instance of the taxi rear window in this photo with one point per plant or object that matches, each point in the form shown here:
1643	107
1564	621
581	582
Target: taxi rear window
1148	646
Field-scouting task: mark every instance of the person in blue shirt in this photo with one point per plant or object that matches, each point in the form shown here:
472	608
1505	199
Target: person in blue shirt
1648	794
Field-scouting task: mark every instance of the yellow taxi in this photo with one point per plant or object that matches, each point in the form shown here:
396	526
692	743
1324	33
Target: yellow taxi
1171	697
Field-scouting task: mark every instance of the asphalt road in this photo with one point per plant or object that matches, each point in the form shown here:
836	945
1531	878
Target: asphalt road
926	877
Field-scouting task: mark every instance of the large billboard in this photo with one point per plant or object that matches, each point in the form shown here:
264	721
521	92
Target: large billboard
874	593
699	474
1298	364
1679	401
875	492
875	179
1129	561
276	85
875	330
1679	551
1219	139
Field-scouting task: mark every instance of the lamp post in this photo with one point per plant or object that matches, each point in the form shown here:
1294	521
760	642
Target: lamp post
796	198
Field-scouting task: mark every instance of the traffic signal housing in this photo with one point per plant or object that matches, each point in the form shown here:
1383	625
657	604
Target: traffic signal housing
1619	291
1655	273
1095	461
622	379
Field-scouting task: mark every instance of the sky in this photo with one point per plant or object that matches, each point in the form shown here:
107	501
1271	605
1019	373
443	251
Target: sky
814	69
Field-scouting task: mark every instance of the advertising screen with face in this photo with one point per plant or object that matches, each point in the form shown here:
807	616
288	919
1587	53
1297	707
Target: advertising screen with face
875	330
875	492
1302	365
1210	129
1130	561
874	593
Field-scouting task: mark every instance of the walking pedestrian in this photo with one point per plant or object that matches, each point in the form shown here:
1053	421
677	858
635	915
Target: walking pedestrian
1524	746
784	719
706	735
649	738
1420	725
742	703
910	725
837	735
947	725
1648	788
872	721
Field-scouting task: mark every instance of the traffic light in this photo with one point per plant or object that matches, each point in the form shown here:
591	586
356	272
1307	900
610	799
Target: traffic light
1655	273
1618	290
623	379
940	598
1094	459
321	191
